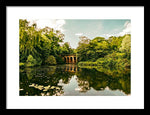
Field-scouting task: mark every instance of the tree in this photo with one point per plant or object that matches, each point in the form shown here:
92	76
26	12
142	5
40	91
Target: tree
115	42
84	40
83	47
40	43
126	44
82	52
50	60
29	38
66	49
100	46
91	55
30	61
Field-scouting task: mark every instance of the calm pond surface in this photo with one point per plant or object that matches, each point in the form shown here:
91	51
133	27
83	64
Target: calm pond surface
71	80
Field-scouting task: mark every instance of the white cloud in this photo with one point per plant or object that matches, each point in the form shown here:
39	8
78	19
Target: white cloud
126	23
79	34
59	25
109	35
126	30
52	23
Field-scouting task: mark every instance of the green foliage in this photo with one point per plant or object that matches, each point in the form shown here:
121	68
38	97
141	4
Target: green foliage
28	40
84	40
40	43
50	60
114	60
94	49
21	65
126	44
82	52
87	63
42	46
115	42
66	49
30	62
100	61
97	39
59	60
113	53
90	54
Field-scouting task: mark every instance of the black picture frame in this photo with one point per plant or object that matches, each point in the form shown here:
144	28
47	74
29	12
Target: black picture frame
3	84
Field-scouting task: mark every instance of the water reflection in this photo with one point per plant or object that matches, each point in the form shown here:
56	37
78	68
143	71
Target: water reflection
71	80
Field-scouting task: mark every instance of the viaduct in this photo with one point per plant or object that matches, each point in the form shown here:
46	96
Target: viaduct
72	58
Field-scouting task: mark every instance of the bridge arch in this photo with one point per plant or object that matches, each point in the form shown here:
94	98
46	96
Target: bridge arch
70	58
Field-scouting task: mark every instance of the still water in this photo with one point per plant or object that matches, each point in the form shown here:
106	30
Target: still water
71	80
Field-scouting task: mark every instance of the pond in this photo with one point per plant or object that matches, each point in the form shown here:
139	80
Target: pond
71	80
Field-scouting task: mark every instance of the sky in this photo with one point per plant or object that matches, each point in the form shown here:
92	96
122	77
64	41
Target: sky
91	28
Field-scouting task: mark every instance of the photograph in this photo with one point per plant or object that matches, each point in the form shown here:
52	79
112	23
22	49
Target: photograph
80	57
74	57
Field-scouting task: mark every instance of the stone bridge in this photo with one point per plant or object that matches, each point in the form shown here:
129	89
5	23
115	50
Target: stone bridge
72	58
71	68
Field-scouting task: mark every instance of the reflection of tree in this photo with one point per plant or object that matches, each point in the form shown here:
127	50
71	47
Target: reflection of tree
29	73
51	70
42	81
94	78
45	80
120	72
99	80
121	78
126	84
83	85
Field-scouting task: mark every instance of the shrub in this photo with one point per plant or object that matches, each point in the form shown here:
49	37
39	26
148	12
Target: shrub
59	60
100	61
30	62
21	64
50	60
87	63
38	61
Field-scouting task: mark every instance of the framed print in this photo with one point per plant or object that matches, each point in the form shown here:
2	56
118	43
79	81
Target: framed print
75	57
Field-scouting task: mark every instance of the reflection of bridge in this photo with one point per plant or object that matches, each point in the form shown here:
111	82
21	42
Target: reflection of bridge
70	58
71	68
